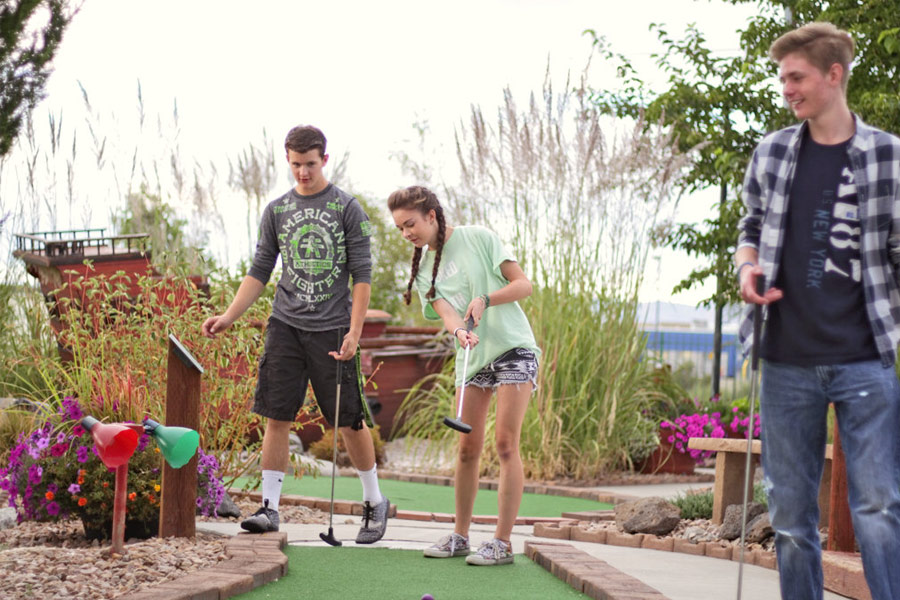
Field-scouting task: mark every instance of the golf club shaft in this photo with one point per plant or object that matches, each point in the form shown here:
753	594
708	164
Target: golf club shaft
337	420
462	389
754	370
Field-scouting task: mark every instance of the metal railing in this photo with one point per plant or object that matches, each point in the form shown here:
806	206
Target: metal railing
80	242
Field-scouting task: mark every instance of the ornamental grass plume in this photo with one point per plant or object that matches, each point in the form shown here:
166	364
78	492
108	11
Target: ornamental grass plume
53	473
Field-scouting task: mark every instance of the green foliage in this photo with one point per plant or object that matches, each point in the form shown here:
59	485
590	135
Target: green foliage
695	505
728	104
169	244
699	505
117	328
31	31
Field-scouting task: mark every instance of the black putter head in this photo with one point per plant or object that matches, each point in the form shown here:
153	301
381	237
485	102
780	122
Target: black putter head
329	538
457	425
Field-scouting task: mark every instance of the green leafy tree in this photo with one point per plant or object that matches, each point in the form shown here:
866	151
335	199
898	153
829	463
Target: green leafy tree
31	32
729	103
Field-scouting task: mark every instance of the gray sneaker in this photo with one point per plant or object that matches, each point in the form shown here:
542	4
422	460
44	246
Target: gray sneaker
491	553
263	520
374	522
449	546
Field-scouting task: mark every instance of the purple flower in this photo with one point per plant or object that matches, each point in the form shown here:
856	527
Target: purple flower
34	474
81	455
52	508
74	488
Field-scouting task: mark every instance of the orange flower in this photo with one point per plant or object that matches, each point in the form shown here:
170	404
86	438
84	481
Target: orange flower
106	484
82	501
156	449
156	487
152	498
49	496
80	480
132	496
82	472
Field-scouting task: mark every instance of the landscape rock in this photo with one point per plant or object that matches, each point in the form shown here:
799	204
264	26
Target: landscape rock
697	534
7	518
652	515
759	529
731	523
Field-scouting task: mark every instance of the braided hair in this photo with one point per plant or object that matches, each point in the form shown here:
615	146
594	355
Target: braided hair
422	200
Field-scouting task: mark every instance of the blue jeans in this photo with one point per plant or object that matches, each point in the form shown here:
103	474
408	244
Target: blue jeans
793	409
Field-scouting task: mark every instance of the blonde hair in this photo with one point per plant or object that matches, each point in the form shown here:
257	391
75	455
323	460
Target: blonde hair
822	44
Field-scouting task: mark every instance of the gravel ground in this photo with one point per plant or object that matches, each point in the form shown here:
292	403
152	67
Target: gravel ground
54	560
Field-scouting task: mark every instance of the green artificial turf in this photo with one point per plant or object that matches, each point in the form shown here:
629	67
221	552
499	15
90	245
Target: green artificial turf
433	498
349	573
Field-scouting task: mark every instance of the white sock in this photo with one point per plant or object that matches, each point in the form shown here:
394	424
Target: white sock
271	487
371	491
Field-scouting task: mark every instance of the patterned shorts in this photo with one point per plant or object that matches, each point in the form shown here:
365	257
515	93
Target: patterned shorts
515	366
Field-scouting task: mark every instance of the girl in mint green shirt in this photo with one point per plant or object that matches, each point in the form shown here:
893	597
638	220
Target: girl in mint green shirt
461	272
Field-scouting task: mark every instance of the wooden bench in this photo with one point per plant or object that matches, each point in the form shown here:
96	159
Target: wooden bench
731	464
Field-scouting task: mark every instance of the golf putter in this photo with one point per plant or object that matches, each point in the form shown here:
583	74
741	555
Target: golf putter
457	423
329	538
754	370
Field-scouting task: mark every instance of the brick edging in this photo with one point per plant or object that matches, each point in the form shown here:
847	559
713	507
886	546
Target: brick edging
843	572
253	560
589	575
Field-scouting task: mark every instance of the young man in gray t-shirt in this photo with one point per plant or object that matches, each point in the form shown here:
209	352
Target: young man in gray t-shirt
322	235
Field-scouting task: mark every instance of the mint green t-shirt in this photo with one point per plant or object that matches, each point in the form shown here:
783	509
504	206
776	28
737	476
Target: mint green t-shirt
470	267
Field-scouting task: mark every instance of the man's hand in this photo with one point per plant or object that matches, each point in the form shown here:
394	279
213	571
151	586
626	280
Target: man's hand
748	287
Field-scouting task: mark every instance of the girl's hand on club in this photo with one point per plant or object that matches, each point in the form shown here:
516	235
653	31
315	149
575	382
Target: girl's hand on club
467	338
475	310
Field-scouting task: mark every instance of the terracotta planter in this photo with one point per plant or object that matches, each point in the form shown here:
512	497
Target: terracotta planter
667	459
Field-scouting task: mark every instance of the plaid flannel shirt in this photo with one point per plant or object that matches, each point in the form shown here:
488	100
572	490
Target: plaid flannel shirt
875	161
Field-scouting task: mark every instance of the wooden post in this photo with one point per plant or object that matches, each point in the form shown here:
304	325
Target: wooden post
178	495
840	526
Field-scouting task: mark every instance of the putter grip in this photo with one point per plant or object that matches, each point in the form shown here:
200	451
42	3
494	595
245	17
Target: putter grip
470	323
757	322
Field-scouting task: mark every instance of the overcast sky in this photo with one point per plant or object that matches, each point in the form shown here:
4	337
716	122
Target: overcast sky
362	71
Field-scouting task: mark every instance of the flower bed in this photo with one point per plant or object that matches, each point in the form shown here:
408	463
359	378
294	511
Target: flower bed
54	473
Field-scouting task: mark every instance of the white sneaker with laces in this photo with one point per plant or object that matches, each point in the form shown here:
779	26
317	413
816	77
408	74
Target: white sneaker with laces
492	553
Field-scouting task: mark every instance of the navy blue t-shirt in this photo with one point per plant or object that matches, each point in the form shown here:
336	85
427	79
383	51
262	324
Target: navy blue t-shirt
822	318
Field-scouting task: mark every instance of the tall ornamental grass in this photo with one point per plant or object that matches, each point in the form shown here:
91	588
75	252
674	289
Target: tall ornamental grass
578	200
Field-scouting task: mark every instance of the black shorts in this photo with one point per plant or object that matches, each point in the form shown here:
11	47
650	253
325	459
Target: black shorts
295	357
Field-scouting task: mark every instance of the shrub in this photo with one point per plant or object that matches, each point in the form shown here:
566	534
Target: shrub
323	448
695	505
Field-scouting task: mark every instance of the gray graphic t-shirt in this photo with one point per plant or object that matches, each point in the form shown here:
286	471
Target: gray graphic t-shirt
323	240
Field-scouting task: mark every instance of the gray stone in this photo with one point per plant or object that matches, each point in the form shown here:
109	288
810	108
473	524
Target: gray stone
731	524
7	518
648	515
759	529
695	535
227	508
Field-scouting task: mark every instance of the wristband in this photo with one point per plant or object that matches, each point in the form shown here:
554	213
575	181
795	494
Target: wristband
741	268
456	331
486	299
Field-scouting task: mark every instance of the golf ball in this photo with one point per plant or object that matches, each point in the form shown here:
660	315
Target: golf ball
427	597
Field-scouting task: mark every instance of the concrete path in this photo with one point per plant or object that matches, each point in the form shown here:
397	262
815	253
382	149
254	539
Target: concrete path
677	576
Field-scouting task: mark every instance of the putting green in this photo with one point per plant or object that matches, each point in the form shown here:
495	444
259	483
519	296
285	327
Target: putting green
433	498
350	573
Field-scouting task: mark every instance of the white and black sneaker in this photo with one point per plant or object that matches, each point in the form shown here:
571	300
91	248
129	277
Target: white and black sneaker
263	520
449	546
374	522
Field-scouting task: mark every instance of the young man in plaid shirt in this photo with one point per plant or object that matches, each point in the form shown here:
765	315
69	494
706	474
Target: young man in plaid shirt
822	225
